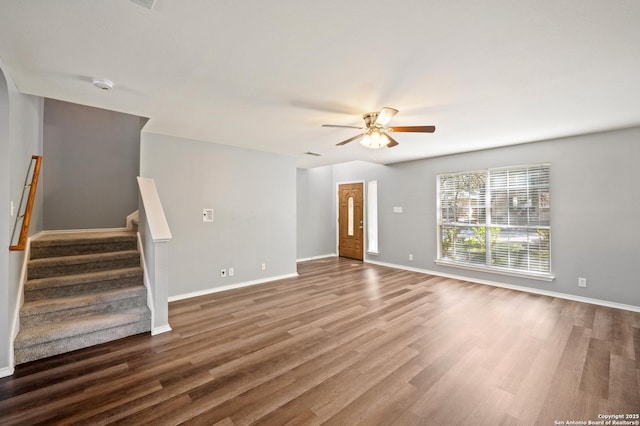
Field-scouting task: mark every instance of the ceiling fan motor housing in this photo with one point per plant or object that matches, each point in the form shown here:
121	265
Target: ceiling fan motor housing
370	118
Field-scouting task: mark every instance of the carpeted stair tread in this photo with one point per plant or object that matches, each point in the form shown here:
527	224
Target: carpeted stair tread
87	277
51	348
70	244
71	238
77	264
34	335
82	289
81	284
83	258
40	307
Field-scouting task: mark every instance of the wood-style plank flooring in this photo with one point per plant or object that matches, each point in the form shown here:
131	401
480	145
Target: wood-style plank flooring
348	343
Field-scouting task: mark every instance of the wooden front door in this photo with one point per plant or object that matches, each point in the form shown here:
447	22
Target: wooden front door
350	225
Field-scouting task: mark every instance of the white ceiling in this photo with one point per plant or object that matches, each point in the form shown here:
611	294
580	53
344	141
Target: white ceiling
266	74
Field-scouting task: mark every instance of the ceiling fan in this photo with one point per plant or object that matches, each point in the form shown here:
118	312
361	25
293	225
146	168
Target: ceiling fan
376	131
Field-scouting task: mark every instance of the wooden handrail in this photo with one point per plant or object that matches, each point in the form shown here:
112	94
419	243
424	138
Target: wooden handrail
26	218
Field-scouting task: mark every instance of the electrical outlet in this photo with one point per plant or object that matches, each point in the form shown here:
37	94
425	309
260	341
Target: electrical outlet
264	266
410	257
223	273
582	282
230	272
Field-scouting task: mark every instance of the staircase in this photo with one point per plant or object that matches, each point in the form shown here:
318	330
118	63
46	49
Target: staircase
83	289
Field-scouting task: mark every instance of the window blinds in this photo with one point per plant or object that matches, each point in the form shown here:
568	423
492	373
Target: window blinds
499	218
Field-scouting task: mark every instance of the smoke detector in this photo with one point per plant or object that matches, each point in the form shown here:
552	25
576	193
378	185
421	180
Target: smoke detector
103	84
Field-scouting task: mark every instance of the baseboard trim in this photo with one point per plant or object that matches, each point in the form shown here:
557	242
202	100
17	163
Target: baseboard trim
161	329
230	287
322	256
133	216
6	371
566	296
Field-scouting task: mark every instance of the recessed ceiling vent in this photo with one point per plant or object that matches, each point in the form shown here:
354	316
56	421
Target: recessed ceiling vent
145	3
315	154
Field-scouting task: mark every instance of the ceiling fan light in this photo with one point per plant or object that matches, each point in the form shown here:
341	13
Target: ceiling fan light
375	135
384	140
375	139
366	141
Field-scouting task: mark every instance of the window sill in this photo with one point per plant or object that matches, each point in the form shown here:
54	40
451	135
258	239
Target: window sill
501	271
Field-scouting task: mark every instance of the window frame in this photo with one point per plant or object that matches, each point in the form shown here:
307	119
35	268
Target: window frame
372	217
488	224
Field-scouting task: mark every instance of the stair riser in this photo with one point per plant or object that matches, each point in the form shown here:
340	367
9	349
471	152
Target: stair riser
84	311
40	252
31	295
47	349
60	269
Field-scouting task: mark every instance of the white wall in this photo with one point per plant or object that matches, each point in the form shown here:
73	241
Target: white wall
20	138
595	199
253	195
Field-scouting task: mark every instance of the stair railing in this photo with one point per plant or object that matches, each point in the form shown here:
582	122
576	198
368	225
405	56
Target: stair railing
25	210
155	236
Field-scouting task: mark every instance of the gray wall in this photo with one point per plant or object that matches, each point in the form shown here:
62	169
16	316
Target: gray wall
316	227
92	159
20	138
253	195
595	199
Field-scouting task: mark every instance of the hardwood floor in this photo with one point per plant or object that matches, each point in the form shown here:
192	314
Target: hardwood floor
348	343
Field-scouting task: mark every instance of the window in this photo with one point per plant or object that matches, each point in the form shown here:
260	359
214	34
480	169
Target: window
372	216
496	219
350	217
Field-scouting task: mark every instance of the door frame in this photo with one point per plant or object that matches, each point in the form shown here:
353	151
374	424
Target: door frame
364	216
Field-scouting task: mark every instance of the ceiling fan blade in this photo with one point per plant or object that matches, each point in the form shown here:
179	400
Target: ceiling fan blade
392	141
416	129
385	115
339	125
350	139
